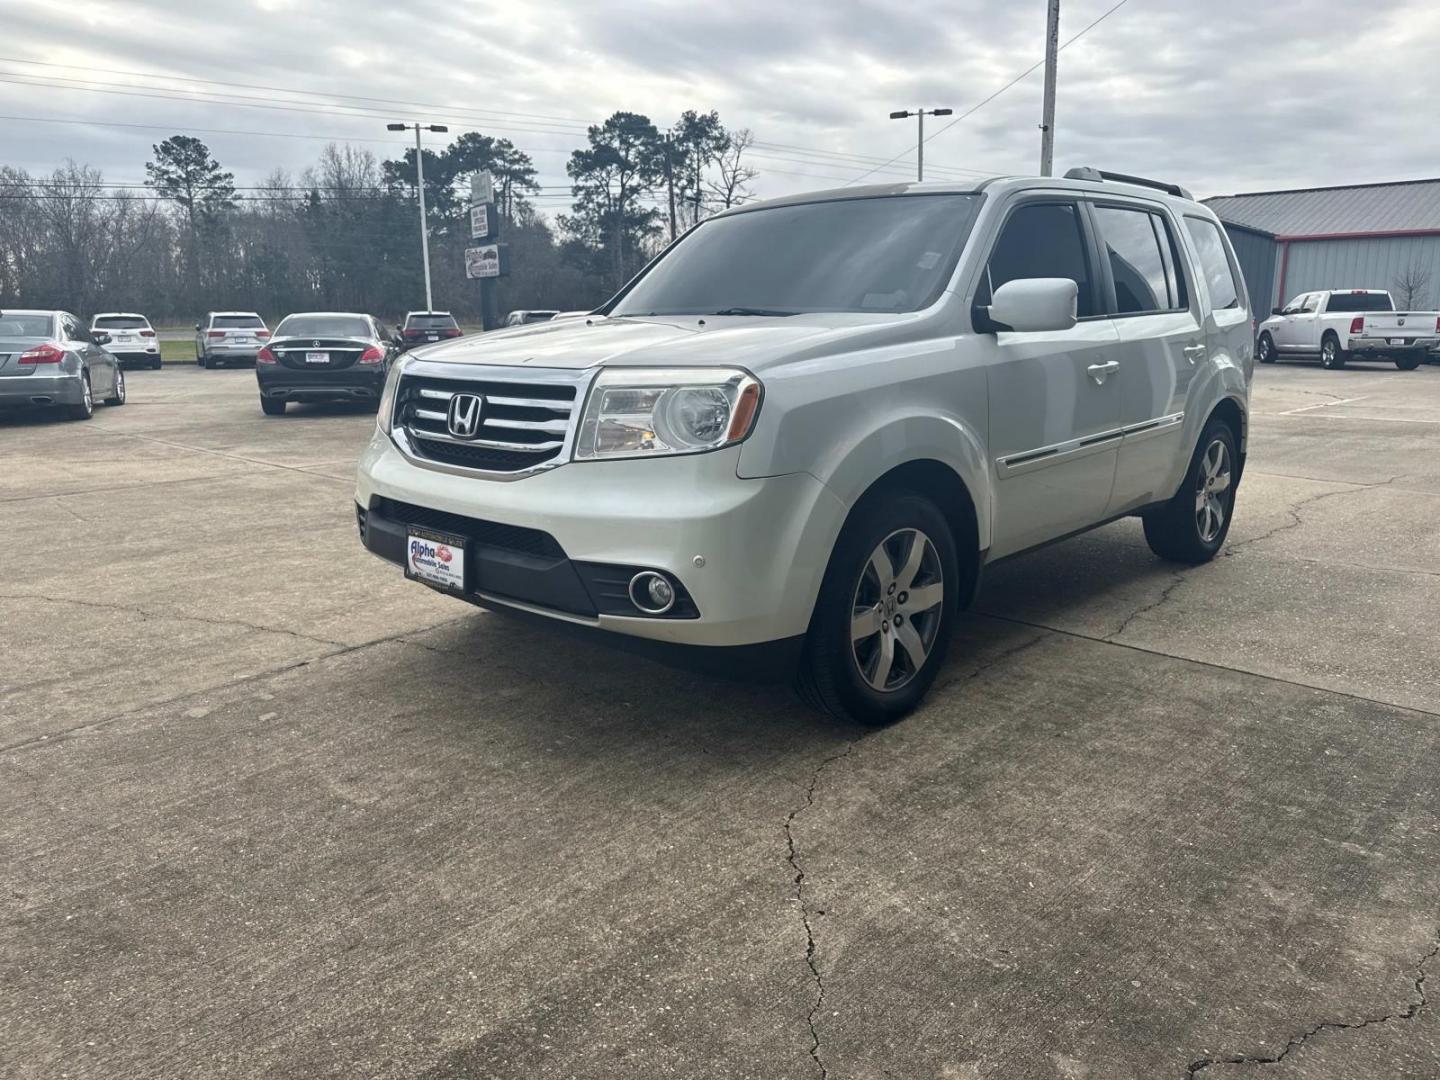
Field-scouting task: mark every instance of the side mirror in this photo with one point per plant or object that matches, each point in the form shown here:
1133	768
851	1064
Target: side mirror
197	327
399	328
1034	305
1277	311
100	339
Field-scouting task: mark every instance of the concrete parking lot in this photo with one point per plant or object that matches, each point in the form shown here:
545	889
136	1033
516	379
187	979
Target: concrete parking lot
267	809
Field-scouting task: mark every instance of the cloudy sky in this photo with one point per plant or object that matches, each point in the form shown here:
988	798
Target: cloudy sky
1223	96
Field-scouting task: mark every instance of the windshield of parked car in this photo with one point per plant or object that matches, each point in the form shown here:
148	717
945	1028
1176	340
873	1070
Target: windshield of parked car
323	326
121	322
872	254
1357	301
237	322
40	326
430	322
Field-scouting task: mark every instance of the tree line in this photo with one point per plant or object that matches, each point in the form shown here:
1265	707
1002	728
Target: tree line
342	234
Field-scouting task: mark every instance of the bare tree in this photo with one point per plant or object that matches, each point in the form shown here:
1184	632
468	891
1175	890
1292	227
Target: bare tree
1412	287
731	185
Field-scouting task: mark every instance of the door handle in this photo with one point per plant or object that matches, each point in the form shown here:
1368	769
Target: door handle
1194	352
1099	372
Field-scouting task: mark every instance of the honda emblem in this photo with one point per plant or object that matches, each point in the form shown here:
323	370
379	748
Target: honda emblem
463	416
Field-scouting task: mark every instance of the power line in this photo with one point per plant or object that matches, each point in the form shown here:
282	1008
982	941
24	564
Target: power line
986	101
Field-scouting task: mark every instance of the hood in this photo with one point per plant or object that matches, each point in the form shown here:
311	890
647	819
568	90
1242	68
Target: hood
672	341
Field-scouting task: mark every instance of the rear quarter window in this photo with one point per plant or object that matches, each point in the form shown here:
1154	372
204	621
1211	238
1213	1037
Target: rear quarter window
1214	262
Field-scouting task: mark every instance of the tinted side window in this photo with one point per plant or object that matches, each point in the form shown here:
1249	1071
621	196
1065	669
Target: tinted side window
1224	291
1041	240
1136	263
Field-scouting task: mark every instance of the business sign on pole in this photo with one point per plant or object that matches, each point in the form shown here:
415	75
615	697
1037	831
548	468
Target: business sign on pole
483	261
482	188
481	225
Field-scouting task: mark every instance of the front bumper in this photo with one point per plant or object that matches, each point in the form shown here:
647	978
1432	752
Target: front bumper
749	553
61	389
346	384
1383	347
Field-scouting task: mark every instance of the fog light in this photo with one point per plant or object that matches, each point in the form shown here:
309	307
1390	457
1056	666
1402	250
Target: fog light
652	592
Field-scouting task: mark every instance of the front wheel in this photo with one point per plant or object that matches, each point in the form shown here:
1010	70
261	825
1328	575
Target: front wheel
1265	351
1332	357
1409	362
885	614
1192	526
272	406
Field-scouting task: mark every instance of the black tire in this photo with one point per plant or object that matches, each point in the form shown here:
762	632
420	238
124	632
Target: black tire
117	396
1332	357
830	677
1177	531
86	408
1265	349
273	406
1409	362
158	364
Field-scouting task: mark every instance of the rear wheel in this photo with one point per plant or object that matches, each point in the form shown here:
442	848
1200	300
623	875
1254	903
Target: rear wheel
272	406
85	408
1192	526
886	610
156	364
1409	362
117	396
1331	355
1265	351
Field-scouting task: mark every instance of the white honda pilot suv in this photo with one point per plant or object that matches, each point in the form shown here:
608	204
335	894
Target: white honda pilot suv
804	429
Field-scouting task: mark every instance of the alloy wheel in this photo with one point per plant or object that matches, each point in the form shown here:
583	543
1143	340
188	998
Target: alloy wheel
897	609
1211	483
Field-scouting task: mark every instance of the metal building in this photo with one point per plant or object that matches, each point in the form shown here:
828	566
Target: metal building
1362	236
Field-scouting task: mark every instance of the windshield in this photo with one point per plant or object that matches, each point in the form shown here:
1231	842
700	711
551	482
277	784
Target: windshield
121	322
323	326
244	322
430	322
1375	301
876	254
41	326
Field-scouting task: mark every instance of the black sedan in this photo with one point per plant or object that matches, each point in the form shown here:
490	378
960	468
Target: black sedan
323	356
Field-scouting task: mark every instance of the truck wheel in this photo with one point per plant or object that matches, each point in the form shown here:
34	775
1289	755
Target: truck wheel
886	610
1192	526
1265	351
1409	362
272	406
1331	355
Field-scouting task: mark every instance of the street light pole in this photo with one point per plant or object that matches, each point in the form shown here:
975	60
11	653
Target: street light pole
420	190
1047	113
920	115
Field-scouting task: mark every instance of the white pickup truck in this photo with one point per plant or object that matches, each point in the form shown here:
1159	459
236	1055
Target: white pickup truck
1339	325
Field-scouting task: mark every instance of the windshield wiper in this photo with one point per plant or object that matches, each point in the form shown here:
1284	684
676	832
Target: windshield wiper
754	311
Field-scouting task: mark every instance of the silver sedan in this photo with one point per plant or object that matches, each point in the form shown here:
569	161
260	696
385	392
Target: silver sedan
49	359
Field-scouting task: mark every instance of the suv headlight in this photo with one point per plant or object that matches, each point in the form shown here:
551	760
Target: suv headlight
648	412
383	416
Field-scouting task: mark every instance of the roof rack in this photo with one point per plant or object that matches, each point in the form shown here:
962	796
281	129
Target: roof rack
1084	172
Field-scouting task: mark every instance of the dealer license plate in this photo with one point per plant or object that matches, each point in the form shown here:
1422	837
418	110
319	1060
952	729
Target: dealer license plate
1397	341
436	559
317	357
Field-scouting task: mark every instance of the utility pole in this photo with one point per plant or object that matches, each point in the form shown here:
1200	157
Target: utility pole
920	115
420	190
670	183
1047	115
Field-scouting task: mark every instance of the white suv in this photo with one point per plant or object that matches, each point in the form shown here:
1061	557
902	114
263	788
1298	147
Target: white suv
812	421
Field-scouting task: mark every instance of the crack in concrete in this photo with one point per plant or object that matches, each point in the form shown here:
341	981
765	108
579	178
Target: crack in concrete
793	858
1410	1011
998	658
1176	580
1294	511
145	614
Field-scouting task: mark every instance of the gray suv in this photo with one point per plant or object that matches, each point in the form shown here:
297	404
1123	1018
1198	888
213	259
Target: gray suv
229	337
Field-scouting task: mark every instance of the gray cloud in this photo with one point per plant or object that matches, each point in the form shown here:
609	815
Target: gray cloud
1229	96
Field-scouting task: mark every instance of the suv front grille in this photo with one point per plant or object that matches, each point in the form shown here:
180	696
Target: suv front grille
522	424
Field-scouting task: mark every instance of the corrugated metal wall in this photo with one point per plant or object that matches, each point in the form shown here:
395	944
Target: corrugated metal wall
1361	264
1257	254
